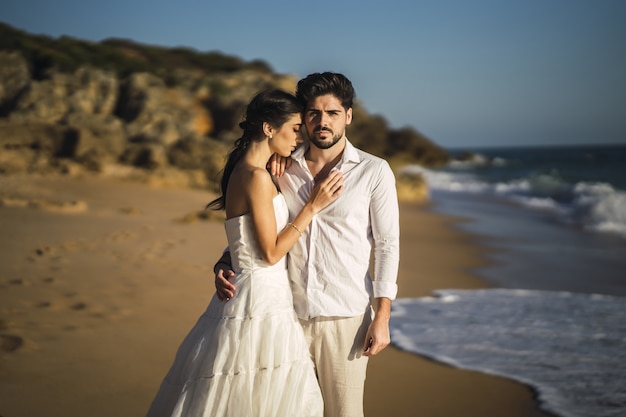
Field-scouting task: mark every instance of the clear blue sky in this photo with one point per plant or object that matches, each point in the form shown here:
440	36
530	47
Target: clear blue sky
465	73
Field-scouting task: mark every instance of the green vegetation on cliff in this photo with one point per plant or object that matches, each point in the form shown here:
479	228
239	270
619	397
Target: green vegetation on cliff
119	55
190	97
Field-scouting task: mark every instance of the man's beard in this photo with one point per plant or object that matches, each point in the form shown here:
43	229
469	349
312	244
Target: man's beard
322	144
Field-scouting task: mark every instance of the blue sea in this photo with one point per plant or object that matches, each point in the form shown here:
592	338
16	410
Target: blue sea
555	221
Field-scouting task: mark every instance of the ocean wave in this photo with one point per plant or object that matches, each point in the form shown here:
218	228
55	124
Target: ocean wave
602	207
594	206
449	181
477	160
568	346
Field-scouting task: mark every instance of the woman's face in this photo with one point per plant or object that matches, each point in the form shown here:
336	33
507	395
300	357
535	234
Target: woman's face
287	137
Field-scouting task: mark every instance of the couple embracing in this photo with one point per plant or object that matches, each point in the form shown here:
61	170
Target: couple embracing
290	336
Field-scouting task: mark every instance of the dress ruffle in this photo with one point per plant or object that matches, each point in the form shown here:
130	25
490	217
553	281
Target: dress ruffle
245	357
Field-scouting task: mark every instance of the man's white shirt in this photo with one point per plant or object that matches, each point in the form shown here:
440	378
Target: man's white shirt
329	265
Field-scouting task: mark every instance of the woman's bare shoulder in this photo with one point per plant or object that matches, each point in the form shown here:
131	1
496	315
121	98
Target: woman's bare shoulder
246	184
251	180
260	183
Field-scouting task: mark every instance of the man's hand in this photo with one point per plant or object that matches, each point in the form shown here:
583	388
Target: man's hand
377	337
224	289
277	165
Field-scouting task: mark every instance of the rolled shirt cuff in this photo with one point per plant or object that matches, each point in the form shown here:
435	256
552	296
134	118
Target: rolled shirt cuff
385	289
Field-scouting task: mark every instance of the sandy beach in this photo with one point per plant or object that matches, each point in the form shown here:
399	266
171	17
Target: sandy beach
100	279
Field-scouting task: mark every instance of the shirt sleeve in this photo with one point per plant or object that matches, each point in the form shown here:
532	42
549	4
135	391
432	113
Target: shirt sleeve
385	221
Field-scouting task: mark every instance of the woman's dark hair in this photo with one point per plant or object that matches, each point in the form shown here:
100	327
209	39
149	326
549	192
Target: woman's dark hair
319	84
274	107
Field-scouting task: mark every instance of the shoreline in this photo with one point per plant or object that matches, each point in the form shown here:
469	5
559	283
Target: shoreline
100	279
414	385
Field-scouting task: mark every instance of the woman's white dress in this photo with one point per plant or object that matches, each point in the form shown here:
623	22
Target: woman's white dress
248	356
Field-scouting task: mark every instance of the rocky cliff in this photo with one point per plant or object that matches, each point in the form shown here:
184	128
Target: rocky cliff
68	105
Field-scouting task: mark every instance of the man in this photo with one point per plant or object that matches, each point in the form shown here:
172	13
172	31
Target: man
329	265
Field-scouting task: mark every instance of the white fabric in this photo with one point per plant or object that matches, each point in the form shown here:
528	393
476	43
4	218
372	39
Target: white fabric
249	356
329	265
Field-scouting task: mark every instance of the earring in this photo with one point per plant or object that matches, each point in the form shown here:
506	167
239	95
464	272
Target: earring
269	137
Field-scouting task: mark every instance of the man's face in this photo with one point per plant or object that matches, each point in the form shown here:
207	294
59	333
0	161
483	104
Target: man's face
325	120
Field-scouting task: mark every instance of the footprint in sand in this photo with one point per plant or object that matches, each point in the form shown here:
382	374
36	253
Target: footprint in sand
78	306
73	245
201	215
40	253
38	304
13	202
43	250
131	211
70	207
121	236
43	304
10	342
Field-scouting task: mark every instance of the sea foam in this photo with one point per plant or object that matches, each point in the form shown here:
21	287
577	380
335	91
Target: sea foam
594	206
570	347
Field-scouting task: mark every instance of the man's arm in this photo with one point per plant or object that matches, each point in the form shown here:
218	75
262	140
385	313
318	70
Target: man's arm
224	289
385	221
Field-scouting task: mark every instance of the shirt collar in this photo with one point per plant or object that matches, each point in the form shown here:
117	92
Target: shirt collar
350	155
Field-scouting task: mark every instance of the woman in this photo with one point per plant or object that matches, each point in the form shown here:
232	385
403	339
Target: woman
248	357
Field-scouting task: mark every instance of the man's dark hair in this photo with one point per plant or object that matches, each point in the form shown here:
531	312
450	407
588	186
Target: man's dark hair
319	84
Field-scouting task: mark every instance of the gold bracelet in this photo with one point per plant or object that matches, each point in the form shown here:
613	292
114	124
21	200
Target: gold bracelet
296	227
